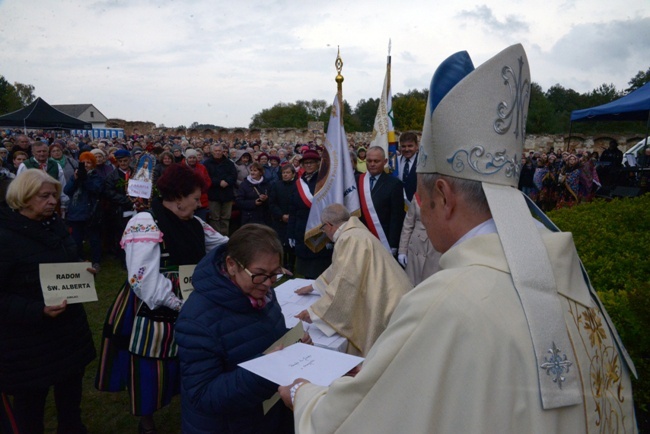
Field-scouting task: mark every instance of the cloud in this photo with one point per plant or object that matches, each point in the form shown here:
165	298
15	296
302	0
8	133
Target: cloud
177	61
407	56
591	54
605	46
483	14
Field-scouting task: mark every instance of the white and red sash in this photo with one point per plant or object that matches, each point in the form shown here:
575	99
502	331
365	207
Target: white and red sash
303	190
368	209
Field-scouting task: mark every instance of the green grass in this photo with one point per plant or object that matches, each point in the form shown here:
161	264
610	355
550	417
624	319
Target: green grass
109	412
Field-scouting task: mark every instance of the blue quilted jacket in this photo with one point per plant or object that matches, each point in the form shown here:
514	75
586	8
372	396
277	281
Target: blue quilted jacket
217	329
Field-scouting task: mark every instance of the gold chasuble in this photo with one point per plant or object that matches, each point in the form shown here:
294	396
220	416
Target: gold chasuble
361	288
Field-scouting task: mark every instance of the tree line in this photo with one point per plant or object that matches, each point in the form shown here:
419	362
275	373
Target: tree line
549	111
14	96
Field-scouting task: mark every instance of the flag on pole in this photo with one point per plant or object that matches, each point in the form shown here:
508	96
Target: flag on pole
383	132
336	183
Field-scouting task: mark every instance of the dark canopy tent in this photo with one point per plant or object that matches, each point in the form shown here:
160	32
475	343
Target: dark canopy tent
42	116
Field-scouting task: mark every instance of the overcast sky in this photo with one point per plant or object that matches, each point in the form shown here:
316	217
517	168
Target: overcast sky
221	62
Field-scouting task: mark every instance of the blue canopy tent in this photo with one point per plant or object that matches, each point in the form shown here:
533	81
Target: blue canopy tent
634	106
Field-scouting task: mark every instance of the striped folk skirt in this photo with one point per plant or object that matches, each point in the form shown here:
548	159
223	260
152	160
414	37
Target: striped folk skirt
139	353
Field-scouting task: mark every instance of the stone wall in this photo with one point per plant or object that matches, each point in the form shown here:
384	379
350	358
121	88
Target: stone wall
316	134
596	143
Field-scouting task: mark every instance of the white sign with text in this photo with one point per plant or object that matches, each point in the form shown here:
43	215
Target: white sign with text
139	188
185	279
67	281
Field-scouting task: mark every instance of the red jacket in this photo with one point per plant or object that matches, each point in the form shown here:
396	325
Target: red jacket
203	173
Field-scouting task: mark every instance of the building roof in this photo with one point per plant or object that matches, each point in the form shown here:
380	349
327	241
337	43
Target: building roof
76	110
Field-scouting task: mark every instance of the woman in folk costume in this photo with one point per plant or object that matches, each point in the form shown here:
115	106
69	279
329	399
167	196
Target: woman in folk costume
156	242
589	181
547	197
569	193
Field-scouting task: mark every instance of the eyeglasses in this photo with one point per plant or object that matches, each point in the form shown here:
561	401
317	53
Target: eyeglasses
323	227
260	278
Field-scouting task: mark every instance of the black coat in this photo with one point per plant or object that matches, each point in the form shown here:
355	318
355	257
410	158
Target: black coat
221	170
526	176
115	192
250	211
281	193
388	200
35	350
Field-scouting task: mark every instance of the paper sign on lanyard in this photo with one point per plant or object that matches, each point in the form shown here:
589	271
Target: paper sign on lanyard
67	281
185	279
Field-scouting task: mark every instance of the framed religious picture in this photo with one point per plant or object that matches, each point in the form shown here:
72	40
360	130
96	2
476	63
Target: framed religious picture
141	184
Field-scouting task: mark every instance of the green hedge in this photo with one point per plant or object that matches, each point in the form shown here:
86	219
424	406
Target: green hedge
613	241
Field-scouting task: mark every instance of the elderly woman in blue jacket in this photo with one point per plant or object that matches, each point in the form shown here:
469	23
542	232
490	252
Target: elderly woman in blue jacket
231	317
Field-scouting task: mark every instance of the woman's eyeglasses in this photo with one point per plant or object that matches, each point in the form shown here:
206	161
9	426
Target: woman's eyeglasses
260	278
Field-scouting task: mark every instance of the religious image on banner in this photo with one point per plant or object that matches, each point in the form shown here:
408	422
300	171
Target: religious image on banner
336	182
141	184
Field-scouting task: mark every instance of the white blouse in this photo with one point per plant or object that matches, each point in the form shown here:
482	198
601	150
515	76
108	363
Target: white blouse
141	243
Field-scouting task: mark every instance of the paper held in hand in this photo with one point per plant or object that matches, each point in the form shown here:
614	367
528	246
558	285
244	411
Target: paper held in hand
291	337
67	281
185	279
318	365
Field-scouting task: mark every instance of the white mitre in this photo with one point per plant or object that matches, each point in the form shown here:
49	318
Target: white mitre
474	129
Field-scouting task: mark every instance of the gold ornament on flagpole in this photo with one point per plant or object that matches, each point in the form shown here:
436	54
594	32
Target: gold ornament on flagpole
339	80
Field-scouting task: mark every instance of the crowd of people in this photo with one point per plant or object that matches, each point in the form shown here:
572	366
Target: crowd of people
560	179
243	182
218	201
461	329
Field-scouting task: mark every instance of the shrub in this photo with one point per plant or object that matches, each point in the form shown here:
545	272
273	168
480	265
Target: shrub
613	241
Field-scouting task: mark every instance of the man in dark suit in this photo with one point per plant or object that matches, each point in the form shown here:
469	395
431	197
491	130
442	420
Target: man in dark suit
386	203
407	161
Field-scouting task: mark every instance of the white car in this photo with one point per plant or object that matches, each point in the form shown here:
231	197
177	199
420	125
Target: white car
629	157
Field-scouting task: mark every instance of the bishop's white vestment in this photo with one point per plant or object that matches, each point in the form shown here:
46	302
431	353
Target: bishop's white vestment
457	357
